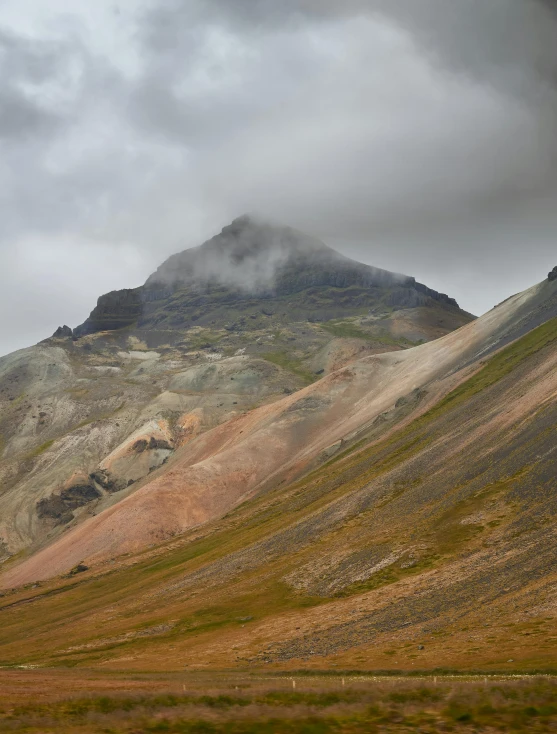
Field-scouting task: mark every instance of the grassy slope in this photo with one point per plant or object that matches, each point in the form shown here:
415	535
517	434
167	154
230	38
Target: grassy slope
501	365
291	364
230	582
348	330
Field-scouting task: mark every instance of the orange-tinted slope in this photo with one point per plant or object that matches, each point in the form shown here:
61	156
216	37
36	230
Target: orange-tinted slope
236	460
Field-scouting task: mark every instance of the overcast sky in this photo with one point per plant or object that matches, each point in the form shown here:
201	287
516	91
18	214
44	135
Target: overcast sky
416	135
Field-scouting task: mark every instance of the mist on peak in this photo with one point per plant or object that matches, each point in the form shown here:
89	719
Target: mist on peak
254	255
255	261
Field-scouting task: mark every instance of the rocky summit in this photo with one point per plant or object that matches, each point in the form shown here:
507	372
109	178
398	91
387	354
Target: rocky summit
253	269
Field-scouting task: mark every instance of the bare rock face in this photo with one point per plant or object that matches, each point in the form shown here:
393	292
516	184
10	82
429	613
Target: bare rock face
105	479
553	274
153	443
62	332
59	507
114	310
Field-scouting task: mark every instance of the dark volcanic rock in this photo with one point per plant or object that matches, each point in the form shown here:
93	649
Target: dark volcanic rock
153	443
114	310
59	506
62	331
553	274
251	261
252	256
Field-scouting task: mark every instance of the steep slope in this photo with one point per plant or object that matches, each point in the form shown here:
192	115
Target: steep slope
427	541
86	420
276	443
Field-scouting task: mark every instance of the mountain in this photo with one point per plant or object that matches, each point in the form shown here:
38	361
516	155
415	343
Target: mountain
398	513
253	270
259	312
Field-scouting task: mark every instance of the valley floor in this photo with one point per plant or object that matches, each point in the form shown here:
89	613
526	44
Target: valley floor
49	701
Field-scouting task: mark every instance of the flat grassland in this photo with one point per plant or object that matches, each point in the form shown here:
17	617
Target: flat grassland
201	703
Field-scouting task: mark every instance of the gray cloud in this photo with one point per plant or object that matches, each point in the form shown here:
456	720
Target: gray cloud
28	60
19	117
25	67
416	135
472	35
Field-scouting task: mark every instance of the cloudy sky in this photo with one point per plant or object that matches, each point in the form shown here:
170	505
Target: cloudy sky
415	135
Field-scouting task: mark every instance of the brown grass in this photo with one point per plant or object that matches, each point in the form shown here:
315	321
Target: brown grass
205	704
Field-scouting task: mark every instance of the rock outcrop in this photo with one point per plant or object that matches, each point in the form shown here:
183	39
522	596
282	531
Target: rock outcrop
114	310
59	507
62	332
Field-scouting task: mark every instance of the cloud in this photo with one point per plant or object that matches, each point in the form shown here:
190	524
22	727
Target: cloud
507	42
20	118
472	35
26	68
377	153
49	277
416	135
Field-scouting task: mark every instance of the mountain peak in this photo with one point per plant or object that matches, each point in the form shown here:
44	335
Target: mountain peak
240	224
253	260
267	235
247	254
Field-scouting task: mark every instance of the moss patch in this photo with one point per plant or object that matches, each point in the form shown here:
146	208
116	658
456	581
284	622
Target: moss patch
288	362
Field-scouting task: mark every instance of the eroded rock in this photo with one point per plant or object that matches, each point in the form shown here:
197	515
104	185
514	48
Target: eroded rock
59	507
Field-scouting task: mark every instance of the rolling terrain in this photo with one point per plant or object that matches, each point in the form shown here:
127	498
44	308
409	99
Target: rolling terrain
397	514
91	416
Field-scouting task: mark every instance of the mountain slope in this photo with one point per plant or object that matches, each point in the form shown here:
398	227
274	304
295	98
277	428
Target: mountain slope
86	420
278	442
427	540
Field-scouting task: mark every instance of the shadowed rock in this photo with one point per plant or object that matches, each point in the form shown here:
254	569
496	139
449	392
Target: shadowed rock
59	507
62	332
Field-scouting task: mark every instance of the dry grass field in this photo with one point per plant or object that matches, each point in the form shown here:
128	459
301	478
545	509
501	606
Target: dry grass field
55	701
